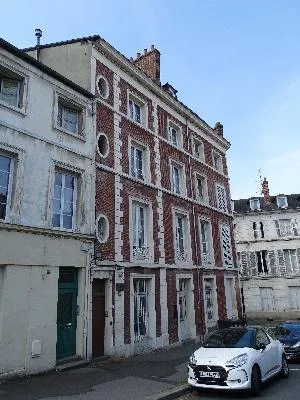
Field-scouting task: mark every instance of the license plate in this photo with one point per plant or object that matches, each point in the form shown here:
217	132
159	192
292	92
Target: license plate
204	374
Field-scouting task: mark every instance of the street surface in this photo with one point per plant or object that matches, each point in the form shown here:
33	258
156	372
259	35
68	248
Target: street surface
279	389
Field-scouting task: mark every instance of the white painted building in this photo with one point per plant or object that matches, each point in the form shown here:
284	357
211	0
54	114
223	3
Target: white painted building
46	214
268	247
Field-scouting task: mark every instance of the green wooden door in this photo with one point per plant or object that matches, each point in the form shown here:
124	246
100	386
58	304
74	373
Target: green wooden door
66	313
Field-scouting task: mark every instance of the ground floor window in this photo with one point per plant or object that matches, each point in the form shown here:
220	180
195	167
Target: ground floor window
141	312
267	299
209	299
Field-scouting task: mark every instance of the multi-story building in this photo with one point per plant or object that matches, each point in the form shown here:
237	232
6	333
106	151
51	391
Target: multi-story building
268	246
47	200
165	268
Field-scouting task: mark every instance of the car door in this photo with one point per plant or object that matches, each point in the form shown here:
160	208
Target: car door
268	354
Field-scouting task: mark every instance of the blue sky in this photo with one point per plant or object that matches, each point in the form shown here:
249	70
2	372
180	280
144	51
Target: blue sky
234	61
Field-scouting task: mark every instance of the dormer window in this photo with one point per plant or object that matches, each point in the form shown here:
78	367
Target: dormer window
282	202
254	204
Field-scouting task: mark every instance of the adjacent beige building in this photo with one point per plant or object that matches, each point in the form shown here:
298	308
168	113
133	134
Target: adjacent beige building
46	214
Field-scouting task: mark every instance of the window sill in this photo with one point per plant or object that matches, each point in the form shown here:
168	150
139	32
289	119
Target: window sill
140	124
75	135
13	108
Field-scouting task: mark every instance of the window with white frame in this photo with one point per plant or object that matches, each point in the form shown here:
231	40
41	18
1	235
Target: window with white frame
6	168
290	260
70	116
209	299
136	110
178	179
11	88
174	135
217	161
201	193
254	204
140	309
102	228
64	200
198	149
258	229
282	202
226	246
221	198
181	235
286	227
140	231
138	161
206	241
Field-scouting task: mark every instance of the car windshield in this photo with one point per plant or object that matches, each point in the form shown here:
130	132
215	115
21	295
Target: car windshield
285	330
230	338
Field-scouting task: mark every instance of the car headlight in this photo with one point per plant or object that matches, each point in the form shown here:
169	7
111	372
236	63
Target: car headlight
296	345
193	360
237	361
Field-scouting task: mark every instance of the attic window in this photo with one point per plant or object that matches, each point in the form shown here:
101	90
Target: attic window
254	204
282	202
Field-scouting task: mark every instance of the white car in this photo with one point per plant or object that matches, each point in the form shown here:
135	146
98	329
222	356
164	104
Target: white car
237	358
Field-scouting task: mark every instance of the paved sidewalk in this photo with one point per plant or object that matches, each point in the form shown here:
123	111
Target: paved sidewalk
137	378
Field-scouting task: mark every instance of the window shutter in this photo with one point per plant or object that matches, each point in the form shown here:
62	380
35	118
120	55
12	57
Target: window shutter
277	227
252	263
226	245
298	258
221	199
244	264
272	263
282	267
295	227
132	161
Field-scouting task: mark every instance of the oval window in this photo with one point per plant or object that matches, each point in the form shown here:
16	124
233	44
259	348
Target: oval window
102	230
102	87
102	145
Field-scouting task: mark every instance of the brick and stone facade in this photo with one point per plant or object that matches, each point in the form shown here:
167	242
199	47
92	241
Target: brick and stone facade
161	288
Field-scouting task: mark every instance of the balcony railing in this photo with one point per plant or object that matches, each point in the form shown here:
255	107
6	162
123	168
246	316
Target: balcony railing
141	253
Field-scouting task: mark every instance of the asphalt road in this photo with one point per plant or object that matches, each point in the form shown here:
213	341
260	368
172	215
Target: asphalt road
276	389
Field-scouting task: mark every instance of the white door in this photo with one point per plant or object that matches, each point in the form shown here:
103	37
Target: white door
183	320
229	297
295	297
267	299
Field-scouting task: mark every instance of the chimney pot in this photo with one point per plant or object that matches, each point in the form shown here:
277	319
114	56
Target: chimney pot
265	191
219	128
149	63
138	55
131	59
145	51
152	47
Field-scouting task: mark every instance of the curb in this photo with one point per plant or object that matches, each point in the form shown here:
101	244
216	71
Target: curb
171	393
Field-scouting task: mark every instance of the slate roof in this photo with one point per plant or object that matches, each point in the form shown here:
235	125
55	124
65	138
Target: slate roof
29	59
243	205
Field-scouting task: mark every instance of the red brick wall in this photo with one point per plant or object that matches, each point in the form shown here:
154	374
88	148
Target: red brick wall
103	70
105	124
172	306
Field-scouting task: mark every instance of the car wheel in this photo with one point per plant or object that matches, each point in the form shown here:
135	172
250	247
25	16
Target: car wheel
255	381
285	370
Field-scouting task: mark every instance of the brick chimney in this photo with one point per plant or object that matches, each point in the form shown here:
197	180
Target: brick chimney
149	63
219	129
265	191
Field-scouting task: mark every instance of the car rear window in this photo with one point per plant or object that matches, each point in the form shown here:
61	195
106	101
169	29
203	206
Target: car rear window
236	338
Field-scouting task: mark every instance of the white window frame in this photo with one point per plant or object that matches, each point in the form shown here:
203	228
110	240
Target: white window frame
282	198
182	177
209	259
195	141
172	127
148	229
253	203
219	206
143	110
106	236
75	196
187	256
211	279
151	317
10	184
203	178
68	102
10	72
217	166
145	159
293	267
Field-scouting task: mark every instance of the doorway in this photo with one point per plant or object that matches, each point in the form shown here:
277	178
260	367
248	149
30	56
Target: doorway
98	317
